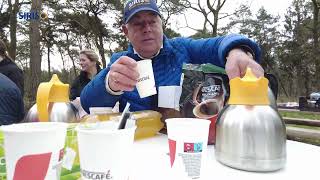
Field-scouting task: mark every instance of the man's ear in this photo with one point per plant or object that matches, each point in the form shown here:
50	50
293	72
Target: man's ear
125	29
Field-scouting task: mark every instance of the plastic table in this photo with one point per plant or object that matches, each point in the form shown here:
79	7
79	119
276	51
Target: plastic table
151	161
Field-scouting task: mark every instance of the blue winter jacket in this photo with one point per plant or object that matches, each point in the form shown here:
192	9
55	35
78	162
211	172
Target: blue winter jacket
167	68
11	102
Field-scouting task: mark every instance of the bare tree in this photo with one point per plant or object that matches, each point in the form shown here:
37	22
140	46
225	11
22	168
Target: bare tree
35	54
207	9
14	9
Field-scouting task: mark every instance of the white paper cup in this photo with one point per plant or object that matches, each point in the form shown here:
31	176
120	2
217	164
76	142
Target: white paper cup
34	150
187	139
105	152
146	84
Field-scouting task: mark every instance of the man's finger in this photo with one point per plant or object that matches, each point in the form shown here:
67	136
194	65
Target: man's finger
257	70
127	61
123	78
125	70
232	70
119	86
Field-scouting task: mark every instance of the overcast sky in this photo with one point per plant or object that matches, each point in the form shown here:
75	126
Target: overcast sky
195	20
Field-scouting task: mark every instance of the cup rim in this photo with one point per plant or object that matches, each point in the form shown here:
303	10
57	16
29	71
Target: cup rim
33	127
187	120
91	131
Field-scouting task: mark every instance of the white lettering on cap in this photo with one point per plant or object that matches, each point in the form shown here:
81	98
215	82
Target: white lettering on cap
135	3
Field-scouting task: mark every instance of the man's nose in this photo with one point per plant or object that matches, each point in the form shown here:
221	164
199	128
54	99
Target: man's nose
147	27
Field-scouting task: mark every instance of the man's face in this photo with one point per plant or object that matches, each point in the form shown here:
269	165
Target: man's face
144	31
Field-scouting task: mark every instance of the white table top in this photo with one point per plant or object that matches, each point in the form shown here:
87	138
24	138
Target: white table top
151	162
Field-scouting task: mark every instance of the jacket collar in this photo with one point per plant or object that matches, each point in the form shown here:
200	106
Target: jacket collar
5	61
166	50
83	74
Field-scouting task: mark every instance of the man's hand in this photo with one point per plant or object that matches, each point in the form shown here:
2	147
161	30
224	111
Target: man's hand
238	62
123	74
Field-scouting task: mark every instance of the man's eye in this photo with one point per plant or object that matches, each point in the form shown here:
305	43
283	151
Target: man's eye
138	24
152	22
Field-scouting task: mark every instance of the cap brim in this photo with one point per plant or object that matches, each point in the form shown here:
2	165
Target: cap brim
139	10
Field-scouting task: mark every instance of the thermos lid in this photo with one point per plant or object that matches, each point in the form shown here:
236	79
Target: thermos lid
52	91
249	90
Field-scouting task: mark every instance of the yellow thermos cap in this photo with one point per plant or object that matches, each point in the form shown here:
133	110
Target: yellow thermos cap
52	91
249	90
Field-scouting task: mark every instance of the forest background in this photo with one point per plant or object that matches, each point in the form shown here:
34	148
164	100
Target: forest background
290	44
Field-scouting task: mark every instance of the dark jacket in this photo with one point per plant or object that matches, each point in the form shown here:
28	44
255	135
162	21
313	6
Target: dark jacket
13	72
11	102
79	83
167	68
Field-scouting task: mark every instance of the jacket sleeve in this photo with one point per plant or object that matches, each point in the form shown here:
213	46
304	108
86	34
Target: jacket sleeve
95	94
74	89
11	102
214	50
18	79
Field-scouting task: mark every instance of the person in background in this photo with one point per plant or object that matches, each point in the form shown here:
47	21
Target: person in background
90	66
143	27
11	102
9	68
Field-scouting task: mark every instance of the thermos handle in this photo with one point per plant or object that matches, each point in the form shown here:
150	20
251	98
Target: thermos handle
52	91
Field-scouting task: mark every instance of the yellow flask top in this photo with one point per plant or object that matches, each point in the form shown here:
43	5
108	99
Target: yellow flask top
249	90
52	91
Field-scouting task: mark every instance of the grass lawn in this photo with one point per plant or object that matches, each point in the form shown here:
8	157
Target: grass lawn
299	114
303	115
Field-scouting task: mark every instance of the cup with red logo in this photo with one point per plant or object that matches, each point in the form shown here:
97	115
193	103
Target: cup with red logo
34	150
187	138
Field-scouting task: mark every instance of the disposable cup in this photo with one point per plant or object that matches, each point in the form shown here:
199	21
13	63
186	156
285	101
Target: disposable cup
34	150
209	109
104	151
187	138
146	84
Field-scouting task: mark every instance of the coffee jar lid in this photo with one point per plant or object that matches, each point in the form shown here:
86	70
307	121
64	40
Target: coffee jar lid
249	90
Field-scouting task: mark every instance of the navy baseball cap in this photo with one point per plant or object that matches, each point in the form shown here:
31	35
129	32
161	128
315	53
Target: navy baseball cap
134	6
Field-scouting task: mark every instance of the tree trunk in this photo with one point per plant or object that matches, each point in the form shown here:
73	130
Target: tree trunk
35	58
49	66
62	57
101	51
69	53
13	28
100	43
215	24
307	77
316	46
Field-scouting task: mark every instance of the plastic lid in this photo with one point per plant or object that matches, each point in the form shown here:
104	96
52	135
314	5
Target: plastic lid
249	90
100	110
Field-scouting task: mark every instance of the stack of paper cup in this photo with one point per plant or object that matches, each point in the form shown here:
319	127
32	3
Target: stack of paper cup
146	84
187	139
34	150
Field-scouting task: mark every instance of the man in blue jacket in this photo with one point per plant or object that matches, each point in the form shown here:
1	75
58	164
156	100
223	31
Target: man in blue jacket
11	102
143	27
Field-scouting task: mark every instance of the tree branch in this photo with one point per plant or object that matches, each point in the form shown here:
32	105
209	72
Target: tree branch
187	26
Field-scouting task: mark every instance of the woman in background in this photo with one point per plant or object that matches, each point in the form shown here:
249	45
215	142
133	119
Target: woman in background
90	66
